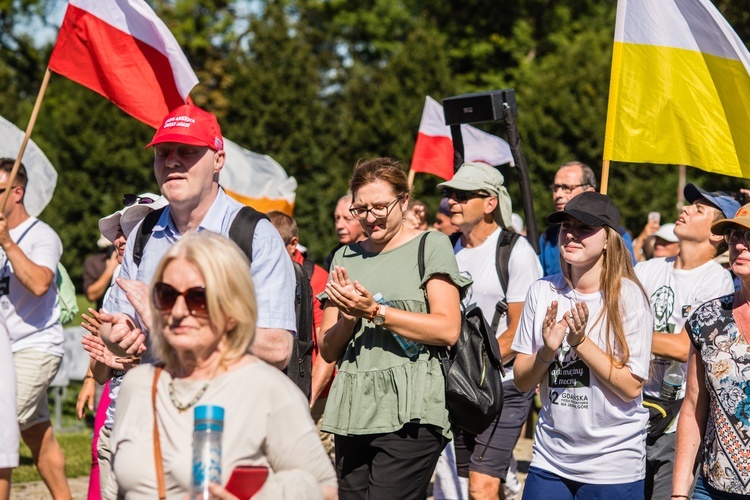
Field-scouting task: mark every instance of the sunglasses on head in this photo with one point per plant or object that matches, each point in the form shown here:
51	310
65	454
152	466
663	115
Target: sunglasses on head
165	296
132	199
463	196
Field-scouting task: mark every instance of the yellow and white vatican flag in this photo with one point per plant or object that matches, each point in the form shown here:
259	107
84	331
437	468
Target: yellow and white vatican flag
257	180
680	88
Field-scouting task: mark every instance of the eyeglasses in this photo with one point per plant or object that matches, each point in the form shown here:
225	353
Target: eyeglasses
565	188
377	211
132	199
463	196
165	296
732	236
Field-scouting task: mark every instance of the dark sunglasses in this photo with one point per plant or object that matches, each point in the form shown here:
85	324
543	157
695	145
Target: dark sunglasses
132	199
165	296
463	196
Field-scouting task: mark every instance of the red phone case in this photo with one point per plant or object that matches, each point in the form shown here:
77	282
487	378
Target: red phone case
246	480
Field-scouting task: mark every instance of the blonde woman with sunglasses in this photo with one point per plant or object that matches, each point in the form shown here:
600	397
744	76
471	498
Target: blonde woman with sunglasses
204	320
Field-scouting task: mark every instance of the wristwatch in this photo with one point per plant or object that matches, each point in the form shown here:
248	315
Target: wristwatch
379	317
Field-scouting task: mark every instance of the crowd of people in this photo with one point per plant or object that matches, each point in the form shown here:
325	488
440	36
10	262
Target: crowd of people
637	348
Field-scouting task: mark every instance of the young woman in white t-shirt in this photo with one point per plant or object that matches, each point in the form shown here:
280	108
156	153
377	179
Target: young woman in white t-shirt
585	338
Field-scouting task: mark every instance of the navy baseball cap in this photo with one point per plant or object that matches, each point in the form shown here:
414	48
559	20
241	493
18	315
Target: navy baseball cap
720	199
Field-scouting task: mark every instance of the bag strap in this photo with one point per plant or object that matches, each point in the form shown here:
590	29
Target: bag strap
242	229
27	230
443	354
157	444
420	257
144	234
505	243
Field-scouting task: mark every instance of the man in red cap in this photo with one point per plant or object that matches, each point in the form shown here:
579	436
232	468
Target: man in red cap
188	157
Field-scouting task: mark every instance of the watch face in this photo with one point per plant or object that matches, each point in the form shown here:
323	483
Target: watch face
378	320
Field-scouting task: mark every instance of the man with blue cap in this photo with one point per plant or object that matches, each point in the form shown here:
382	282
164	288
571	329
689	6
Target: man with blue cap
676	286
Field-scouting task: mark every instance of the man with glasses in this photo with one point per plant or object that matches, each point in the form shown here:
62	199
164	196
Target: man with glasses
348	229
571	179
188	158
481	208
28	299
676	286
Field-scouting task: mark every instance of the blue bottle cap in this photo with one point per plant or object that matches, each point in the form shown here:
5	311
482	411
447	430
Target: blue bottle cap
209	412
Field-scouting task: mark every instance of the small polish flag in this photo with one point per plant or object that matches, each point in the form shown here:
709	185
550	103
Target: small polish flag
433	152
123	51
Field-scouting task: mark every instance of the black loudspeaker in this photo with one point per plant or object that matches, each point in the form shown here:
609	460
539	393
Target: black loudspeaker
479	107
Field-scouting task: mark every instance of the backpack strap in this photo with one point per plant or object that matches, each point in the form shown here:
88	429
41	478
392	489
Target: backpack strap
505	243
242	229
144	234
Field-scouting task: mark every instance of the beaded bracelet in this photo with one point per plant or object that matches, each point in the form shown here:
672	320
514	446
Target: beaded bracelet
539	357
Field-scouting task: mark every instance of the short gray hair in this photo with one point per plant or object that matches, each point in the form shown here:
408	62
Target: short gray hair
588	176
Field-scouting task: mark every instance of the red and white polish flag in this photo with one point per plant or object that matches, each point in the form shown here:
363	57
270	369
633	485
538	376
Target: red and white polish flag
123	51
433	152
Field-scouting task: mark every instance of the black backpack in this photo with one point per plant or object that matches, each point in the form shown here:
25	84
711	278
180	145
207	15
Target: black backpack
241	232
473	367
300	366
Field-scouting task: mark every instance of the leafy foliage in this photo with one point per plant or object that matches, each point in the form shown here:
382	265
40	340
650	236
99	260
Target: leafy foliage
320	84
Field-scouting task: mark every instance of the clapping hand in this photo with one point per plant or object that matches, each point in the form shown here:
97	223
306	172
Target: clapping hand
573	323
352	299
137	294
576	320
553	331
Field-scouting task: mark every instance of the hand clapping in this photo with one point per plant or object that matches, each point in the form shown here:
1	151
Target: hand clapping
352	299
573	323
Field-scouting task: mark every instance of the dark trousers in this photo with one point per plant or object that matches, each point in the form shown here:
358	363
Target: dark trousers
388	466
492	457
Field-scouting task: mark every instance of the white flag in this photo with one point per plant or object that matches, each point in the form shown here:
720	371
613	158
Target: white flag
42	176
257	180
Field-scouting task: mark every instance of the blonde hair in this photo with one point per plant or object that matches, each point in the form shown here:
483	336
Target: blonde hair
230	295
617	265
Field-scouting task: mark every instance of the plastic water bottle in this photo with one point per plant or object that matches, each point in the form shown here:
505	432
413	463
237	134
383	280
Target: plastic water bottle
410	347
672	383
208	427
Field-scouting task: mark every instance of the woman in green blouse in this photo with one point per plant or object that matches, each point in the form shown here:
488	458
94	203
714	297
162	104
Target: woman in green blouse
387	404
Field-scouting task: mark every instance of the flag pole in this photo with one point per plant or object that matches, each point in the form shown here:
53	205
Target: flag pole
410	180
605	177
29	128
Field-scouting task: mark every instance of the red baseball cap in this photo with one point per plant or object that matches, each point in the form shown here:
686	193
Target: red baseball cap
189	124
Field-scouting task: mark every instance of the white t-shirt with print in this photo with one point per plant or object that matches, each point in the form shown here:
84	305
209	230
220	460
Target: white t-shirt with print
33	322
478	264
586	432
674	294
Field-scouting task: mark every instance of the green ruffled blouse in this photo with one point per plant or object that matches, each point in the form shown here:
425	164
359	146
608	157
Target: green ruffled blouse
378	388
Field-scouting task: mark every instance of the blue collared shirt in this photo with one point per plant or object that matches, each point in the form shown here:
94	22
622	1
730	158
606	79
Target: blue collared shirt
271	269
